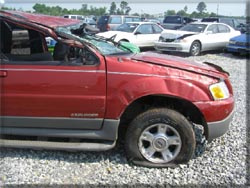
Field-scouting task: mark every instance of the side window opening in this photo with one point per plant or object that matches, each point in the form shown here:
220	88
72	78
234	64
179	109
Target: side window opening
145	29
213	28
20	42
157	29
26	46
223	29
115	20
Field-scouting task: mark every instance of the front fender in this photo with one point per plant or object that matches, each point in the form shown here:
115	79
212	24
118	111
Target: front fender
121	96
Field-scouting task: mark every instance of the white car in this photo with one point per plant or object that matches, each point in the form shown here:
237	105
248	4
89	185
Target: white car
196	37
142	34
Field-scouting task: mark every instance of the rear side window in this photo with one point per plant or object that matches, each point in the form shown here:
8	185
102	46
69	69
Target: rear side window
213	28
20	42
223	29
80	17
115	20
131	19
145	29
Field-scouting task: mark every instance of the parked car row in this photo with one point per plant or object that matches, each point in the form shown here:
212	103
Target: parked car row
192	38
180	34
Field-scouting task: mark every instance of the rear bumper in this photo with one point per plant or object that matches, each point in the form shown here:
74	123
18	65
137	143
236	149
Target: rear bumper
217	129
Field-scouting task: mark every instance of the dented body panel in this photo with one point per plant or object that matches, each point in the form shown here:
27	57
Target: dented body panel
93	90
144	79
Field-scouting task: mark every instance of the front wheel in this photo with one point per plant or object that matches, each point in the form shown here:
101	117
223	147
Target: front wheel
195	48
159	138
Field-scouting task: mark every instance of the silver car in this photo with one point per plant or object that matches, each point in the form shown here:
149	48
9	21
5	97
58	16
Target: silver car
196	37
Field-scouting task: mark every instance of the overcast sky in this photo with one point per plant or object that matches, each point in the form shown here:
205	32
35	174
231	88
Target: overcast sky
224	7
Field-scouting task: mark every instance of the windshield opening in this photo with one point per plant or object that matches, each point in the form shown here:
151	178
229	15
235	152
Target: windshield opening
104	46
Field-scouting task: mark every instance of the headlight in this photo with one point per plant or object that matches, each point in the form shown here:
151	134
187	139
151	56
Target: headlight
232	42
180	40
177	40
219	91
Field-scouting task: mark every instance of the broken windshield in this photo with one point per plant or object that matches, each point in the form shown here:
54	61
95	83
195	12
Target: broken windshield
102	45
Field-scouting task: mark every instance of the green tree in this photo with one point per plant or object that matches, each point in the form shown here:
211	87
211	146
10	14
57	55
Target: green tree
195	14
40	8
112	9
212	14
170	12
123	6
181	13
201	7
128	9
119	11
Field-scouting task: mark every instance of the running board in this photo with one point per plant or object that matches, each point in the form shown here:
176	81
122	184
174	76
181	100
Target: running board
69	146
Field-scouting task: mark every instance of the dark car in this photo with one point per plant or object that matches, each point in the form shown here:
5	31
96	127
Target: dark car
175	22
110	22
229	21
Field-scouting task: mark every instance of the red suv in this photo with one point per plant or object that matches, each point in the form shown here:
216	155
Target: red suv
89	90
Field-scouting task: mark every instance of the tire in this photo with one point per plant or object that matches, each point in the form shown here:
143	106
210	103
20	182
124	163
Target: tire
195	48
160	138
236	53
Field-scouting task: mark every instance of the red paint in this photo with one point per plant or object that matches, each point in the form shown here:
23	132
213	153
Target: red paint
108	88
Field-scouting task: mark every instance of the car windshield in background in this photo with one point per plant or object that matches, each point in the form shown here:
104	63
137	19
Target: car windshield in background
209	20
172	19
199	28
127	27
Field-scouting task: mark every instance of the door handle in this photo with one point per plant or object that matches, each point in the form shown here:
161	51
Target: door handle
3	73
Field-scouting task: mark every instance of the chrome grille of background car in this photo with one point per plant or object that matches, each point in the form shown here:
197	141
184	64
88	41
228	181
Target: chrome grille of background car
169	40
242	44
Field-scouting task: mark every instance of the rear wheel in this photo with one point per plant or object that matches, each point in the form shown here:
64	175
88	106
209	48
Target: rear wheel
195	48
160	137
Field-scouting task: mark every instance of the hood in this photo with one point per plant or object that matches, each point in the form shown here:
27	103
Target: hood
40	19
242	38
204	68
170	34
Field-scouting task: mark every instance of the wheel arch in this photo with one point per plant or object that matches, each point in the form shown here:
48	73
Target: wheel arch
197	40
124	40
186	108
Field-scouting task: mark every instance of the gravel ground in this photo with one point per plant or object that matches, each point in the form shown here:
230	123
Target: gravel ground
222	163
